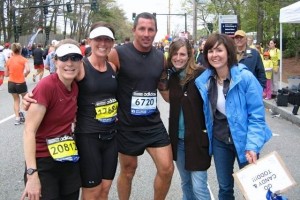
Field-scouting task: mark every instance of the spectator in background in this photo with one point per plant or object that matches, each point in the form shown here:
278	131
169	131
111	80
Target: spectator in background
88	51
249	57
38	62
7	51
17	68
160	46
268	65
199	55
83	46
275	57
24	52
166	51
127	40
260	50
45	52
49	61
2	65
250	42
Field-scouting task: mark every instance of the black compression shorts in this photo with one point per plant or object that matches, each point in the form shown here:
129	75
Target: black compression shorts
98	157
134	143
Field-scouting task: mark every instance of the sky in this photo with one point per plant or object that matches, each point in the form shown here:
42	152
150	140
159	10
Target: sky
159	7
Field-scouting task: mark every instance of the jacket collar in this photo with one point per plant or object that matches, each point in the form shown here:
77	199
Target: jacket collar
235	74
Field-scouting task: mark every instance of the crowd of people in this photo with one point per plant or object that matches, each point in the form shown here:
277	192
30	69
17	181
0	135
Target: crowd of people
215	92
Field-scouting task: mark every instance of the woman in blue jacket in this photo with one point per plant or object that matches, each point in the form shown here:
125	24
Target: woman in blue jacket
234	111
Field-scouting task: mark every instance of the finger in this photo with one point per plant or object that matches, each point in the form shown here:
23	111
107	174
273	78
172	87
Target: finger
23	196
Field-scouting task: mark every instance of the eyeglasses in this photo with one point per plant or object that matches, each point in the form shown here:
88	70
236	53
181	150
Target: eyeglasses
72	57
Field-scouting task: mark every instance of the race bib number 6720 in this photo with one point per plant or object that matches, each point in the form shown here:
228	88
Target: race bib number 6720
143	103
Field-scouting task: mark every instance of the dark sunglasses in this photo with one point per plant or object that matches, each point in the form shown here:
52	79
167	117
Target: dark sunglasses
73	57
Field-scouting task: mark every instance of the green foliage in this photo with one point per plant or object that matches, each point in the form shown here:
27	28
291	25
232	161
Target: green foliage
260	16
292	48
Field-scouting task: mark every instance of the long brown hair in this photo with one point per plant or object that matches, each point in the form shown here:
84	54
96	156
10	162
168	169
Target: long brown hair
191	66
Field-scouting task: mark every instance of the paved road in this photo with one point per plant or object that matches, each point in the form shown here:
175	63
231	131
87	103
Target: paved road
285	141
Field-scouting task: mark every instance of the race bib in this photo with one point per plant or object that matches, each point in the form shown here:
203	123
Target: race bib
143	103
106	110
63	149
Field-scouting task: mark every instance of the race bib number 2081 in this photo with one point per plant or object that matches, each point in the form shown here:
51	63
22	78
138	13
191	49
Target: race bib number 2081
63	149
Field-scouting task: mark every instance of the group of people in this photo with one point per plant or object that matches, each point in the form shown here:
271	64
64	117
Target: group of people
263	63
16	67
214	111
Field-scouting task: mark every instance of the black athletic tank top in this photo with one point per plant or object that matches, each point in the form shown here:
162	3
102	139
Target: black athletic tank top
139	71
94	87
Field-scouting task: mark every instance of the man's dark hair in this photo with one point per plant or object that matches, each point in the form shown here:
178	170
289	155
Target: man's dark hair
144	15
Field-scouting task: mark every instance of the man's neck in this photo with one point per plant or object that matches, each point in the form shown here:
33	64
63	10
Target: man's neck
241	49
140	48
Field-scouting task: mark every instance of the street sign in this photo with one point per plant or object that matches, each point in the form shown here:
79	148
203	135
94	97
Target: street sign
228	24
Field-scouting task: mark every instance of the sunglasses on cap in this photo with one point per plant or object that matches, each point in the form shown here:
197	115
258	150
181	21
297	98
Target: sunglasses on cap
72	57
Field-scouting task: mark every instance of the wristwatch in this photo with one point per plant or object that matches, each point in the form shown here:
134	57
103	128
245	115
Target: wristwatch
30	171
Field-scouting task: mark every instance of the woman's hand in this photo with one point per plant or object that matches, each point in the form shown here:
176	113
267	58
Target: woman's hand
27	100
251	156
33	188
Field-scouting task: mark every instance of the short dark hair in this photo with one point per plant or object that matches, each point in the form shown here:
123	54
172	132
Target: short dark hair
217	38
144	15
127	39
274	41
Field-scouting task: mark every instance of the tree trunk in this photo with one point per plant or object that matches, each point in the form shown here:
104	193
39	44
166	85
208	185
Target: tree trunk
260	17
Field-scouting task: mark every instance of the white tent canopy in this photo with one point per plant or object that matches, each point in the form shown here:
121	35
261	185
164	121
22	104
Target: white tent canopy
289	14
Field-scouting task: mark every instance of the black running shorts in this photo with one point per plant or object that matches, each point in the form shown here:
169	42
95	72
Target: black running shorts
134	143
17	88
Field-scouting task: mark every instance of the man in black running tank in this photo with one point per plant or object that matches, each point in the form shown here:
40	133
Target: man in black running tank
139	67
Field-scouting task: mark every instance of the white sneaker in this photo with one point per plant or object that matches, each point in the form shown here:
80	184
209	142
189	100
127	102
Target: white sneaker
18	122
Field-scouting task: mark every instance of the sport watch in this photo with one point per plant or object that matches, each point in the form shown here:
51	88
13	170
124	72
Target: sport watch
30	171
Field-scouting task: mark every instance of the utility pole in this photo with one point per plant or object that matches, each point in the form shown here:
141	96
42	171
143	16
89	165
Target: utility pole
169	19
185	19
195	20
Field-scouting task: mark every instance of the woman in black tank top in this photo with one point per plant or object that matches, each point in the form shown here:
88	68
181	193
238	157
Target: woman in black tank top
96	116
